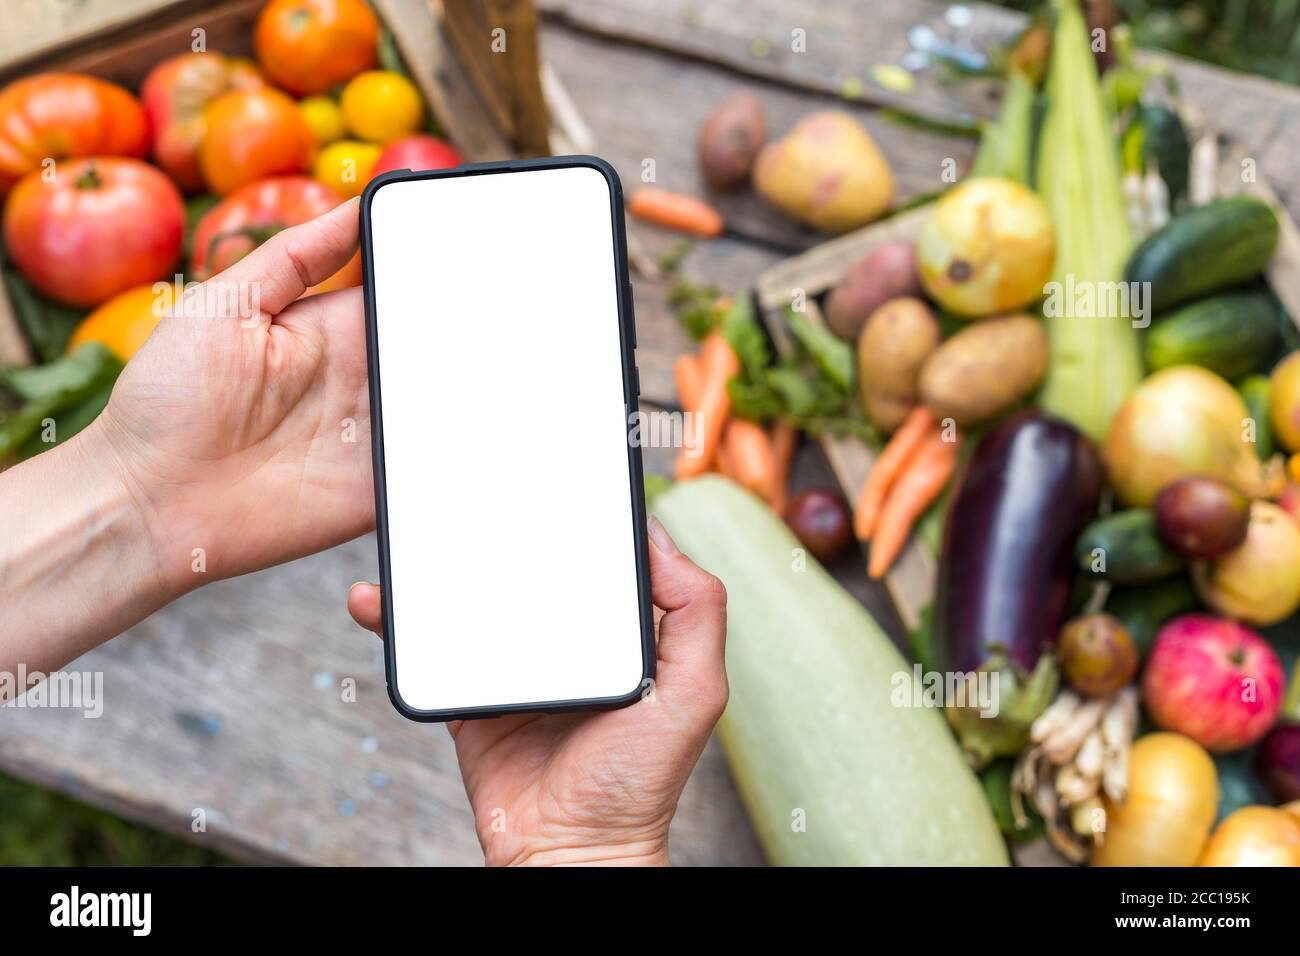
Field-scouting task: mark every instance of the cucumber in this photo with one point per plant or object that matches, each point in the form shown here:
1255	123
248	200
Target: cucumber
1125	548
1255	392
1143	609
832	772
1232	333
1205	249
1164	141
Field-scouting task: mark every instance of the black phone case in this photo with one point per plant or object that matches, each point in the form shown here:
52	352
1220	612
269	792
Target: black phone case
631	389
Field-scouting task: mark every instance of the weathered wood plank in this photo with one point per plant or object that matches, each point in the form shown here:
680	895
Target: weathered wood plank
829	47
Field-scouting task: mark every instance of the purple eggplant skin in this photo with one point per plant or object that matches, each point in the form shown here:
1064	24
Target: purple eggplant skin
1277	764
1005	568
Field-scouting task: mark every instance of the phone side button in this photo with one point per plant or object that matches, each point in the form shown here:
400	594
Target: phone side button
631	314
636	381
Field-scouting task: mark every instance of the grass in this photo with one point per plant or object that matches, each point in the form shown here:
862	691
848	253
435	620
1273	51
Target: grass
40	828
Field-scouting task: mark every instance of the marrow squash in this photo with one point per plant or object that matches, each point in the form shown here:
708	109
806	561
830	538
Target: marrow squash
832	773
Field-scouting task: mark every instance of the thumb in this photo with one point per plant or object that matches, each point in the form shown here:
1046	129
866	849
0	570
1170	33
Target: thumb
292	261
693	629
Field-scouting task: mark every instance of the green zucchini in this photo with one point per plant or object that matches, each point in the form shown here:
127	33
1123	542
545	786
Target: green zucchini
1255	392
1205	249
1125	548
1143	609
831	771
1232	333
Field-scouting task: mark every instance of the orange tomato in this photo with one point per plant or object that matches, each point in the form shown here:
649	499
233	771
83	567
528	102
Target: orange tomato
176	94
96	227
311	46
63	115
248	217
252	134
124	322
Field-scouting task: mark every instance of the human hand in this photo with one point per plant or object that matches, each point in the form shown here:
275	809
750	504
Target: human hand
241	428
246	431
599	788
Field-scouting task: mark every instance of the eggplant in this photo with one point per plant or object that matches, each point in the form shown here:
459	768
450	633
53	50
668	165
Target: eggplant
1005	569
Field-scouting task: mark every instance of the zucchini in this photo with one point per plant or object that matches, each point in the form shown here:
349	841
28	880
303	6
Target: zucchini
1232	333
1255	392
1205	249
1125	548
1143	609
830	770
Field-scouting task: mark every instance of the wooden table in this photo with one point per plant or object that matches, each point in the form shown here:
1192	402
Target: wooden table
230	700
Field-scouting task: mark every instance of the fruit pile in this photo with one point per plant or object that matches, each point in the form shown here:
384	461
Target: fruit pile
107	193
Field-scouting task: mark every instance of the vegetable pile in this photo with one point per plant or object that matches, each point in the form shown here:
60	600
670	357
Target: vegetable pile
114	202
1083	395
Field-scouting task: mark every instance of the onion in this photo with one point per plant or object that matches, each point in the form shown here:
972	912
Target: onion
987	247
1255	836
1259	580
1184	421
1165	819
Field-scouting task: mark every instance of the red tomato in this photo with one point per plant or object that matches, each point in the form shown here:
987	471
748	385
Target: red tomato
99	226
176	94
253	134
312	46
254	213
60	115
417	152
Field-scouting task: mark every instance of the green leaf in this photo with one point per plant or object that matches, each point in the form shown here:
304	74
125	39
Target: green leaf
831	354
48	324
746	338
69	385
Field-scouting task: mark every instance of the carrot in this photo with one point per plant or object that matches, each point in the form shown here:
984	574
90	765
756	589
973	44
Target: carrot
749	453
686	371
712	408
916	487
722	462
785	437
920	422
675	211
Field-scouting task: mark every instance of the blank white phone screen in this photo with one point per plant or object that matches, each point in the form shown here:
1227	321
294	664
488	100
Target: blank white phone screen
505	440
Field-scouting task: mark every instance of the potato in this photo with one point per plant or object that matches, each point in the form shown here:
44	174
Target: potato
886	272
985	368
895	342
730	139
826	172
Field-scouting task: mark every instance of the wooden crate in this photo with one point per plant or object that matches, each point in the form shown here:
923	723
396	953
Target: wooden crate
121	40
1216	171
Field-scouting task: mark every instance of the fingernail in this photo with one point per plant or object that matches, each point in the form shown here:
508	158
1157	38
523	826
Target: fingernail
663	542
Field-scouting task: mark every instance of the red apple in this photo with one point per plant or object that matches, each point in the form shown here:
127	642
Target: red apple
175	95
417	152
1213	680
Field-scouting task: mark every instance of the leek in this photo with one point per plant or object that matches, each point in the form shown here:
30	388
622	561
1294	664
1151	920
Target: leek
1095	357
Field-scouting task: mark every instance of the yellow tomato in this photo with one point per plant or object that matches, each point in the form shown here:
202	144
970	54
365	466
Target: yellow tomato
325	117
1255	836
345	166
124	322
381	106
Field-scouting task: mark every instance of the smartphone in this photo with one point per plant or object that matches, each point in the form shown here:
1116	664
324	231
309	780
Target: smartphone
509	501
